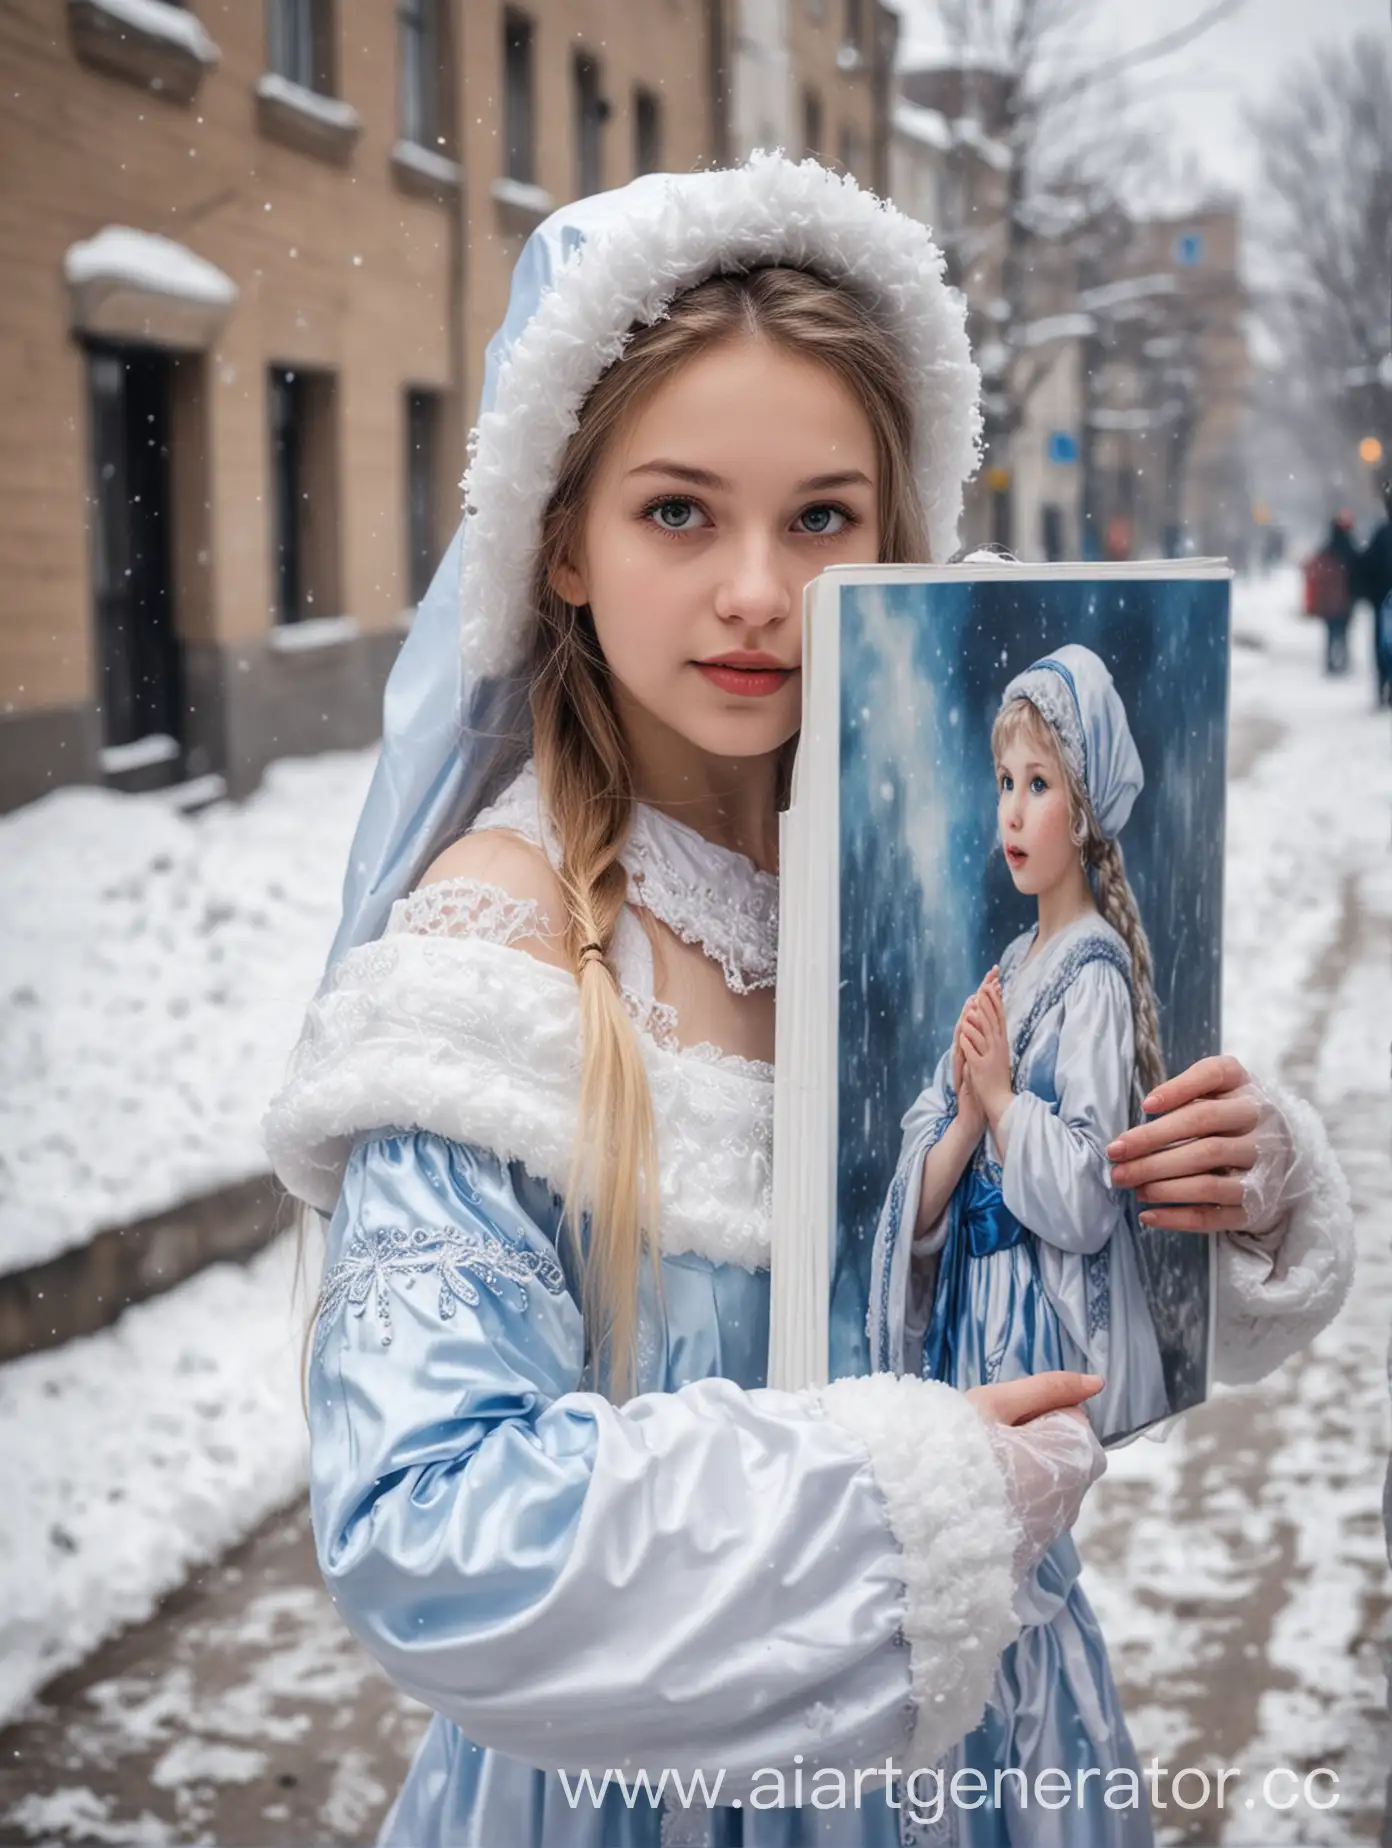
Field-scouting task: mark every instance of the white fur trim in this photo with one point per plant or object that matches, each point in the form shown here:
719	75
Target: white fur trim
950	1513
767	211
1277	1290
481	1043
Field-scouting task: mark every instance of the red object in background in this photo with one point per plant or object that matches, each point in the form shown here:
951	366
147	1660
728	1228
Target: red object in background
1116	542
1326	586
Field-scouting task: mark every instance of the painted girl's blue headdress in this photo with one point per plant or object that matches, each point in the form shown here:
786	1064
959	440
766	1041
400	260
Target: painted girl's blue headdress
455	718
1073	692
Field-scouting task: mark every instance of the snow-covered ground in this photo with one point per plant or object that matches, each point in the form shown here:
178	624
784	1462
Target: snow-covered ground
140	1451
155	968
1254	1534
155	971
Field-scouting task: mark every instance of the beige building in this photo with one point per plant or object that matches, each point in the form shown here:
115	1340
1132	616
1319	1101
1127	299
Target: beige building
950	167
1170	378
253	251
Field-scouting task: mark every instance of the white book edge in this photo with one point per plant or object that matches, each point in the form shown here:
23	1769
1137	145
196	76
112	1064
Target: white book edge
805	1037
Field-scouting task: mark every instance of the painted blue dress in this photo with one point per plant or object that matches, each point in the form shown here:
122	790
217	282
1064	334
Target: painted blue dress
1031	1266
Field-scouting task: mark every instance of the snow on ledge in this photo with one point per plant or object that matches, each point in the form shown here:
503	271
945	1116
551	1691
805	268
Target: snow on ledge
523	196
929	126
157	19
139	754
331	111
424	161
145	260
312	632
1057	327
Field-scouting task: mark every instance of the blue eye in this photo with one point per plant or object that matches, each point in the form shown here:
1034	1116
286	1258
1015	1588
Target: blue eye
674	514
1007	781
1038	785
818	520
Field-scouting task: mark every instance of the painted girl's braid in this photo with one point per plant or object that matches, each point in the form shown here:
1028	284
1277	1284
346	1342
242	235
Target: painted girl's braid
1117	903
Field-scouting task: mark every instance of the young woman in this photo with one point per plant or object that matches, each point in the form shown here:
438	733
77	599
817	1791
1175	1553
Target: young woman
551	1493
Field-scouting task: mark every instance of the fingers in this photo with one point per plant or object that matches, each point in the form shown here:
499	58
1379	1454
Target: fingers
1208	1154
1221	1073
1212	1116
1017	1401
1196	1219
974	1040
987	1016
1194	1190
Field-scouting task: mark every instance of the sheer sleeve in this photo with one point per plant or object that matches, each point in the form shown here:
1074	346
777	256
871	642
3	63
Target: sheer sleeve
1280	1282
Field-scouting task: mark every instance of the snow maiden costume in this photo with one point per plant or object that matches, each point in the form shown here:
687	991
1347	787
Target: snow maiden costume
712	1574
1033	1264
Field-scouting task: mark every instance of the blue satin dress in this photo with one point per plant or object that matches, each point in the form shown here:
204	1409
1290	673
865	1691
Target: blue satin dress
488	1527
1036	1268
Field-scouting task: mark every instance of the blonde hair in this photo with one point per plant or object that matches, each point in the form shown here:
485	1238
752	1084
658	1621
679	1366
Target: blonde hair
580	751
1103	862
581	756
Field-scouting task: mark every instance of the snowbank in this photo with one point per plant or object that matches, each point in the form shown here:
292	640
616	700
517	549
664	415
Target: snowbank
140	1453
155	969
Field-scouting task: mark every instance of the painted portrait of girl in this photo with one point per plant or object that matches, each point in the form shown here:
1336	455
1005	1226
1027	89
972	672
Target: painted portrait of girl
1023	1256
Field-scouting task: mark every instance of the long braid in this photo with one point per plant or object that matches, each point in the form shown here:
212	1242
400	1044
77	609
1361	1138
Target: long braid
1117	903
586	787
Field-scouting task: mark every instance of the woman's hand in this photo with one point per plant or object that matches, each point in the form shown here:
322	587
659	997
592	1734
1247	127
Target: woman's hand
1189	1167
1046	1451
1016	1402
986	1049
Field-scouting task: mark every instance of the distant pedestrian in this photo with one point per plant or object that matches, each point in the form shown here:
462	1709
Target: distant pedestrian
1331	578
1375	583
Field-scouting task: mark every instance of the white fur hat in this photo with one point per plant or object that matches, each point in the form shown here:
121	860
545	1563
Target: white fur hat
455	712
623	257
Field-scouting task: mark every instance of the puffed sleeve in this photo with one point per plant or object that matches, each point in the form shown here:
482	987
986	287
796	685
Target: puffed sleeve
1055	1177
705	1577
1281	1282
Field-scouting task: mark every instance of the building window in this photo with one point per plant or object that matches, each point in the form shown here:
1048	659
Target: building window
853	27
304	494
422	72
422	526
301	34
591	112
140	669
813	127
852	148
647	132
519	113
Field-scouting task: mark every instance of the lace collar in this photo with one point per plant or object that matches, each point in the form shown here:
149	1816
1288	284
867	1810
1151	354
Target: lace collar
707	895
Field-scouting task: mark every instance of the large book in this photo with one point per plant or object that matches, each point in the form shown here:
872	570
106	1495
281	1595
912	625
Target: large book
905	883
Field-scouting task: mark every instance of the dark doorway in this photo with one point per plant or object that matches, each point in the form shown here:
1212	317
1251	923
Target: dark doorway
140	692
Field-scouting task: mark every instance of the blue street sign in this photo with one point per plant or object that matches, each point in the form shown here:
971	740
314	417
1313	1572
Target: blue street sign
1063	446
1188	249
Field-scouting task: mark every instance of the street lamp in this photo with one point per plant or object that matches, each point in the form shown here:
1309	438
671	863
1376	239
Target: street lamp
1370	451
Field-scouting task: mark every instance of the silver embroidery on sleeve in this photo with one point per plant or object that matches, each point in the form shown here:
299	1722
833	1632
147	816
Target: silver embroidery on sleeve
456	1254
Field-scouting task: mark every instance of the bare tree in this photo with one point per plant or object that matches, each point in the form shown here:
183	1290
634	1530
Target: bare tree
1326	235
1074	147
